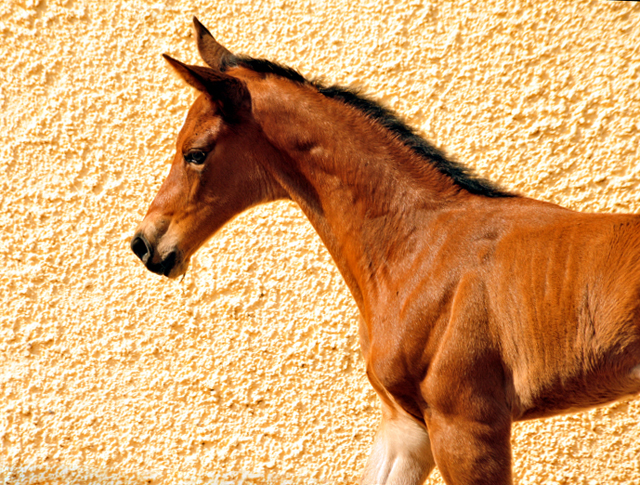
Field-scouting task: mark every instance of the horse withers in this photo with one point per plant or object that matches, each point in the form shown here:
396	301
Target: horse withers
478	307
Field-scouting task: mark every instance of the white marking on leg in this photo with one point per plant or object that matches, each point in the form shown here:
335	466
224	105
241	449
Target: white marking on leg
401	453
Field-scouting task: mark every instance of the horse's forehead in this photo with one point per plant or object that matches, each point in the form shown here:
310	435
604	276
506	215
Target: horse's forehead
202	108
202	113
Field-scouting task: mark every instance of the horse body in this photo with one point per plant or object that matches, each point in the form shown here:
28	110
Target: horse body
565	299
479	308
408	248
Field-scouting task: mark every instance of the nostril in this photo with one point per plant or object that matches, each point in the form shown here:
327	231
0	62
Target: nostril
141	248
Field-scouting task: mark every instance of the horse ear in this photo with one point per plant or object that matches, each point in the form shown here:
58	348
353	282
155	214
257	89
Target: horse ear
228	90
188	74
210	50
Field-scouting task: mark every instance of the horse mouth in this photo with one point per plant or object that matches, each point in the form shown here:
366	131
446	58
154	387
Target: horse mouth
164	267
172	265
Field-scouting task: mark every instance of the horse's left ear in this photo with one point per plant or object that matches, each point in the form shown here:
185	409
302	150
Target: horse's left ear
210	50
231	92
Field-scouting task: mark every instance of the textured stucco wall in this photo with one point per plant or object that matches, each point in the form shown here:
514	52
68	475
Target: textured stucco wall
250	365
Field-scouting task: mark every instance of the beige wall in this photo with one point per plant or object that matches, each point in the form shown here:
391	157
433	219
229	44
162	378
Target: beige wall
110	374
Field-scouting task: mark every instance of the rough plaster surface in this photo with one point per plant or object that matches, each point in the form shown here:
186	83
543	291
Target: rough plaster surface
250	365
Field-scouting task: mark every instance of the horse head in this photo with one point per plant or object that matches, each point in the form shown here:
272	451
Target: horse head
215	173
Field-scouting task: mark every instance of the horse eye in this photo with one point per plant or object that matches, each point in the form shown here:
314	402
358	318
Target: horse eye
196	157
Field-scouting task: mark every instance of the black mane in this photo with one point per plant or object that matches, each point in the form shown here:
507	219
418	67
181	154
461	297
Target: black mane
460	174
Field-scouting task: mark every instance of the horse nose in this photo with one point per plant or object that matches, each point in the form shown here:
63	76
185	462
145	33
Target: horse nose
141	248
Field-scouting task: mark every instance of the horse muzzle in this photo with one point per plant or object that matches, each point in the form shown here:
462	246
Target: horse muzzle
165	263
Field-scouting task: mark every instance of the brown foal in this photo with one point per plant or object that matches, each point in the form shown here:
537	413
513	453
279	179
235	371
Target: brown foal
479	307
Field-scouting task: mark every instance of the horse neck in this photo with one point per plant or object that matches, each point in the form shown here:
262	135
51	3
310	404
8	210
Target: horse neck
367	194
